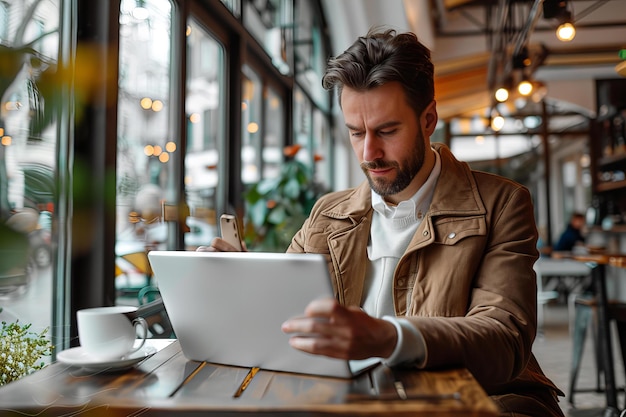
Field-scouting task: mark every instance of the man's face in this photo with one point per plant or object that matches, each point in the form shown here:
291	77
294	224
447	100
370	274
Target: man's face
387	138
578	222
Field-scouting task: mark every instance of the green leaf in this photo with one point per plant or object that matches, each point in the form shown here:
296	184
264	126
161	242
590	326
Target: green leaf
252	195
277	215
268	185
303	177
292	189
257	213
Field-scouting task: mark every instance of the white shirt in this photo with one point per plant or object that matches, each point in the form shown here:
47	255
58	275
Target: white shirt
392	229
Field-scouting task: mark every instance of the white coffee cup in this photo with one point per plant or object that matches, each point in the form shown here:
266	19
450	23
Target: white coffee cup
108	333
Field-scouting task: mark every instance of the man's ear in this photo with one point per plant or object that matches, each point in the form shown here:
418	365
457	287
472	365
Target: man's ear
429	118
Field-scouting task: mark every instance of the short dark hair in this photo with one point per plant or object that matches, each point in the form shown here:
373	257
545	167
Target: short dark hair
381	57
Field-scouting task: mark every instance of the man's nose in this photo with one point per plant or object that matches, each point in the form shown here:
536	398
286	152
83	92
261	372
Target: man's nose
372	149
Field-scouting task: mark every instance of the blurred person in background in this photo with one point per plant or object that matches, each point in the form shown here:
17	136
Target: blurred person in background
572	235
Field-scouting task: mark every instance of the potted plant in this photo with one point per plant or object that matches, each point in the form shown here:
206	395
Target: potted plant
277	207
21	351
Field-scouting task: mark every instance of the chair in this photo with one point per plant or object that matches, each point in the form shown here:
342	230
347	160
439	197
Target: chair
129	266
547	267
159	325
147	294
543	298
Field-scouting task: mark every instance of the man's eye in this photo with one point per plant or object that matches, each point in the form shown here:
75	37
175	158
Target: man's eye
388	132
356	134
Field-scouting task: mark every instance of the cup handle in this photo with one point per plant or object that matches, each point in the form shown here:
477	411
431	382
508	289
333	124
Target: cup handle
140	321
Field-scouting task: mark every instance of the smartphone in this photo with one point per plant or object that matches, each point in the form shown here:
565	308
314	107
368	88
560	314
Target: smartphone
229	228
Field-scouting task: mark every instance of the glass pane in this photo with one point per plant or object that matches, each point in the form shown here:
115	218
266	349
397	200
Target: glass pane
310	54
204	108
270	22
234	6
251	111
302	120
145	144
312	132
29	45
274	134
321	149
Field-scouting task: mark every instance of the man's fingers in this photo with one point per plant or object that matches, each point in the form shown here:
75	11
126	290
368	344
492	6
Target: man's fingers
306	325
205	249
326	307
318	345
220	245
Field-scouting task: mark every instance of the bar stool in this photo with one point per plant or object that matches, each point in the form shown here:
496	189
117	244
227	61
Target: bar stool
584	317
619	261
585	307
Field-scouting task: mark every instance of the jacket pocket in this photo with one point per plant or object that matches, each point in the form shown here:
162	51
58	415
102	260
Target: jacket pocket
449	231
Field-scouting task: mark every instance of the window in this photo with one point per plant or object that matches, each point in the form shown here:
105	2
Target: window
146	147
199	145
312	103
234	6
270	22
206	132
251	133
311	52
274	122
28	162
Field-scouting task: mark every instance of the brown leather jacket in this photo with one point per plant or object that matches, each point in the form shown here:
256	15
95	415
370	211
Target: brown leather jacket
466	280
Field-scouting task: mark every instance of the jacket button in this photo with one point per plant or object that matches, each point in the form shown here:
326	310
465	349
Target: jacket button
425	233
452	235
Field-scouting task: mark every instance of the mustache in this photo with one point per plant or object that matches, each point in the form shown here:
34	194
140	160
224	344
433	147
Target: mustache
378	164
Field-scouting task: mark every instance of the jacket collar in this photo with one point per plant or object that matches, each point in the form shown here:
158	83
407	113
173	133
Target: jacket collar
455	194
356	204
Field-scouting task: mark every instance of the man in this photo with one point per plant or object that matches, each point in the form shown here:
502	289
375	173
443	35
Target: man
572	235
431	263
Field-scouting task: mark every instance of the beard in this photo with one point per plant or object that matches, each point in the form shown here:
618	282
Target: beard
406	170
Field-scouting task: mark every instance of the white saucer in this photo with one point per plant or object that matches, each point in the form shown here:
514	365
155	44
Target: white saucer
78	357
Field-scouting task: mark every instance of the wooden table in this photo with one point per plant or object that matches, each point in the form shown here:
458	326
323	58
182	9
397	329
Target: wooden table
169	384
618	261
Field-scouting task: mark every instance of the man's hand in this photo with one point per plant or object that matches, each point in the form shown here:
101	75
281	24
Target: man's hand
331	329
220	245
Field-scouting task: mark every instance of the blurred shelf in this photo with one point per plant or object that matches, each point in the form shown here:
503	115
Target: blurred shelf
610	186
618	228
612	161
621	68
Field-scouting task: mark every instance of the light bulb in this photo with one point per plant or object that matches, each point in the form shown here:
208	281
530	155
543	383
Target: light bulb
525	88
497	123
566	32
502	94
